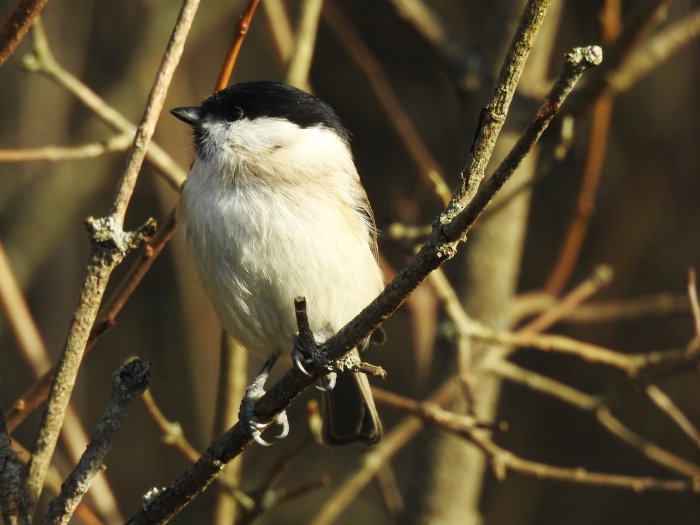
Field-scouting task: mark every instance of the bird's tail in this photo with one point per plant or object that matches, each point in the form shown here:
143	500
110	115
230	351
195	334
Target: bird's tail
349	413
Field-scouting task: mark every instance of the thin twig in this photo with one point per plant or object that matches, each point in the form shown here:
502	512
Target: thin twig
300	60
693	299
595	406
109	245
429	168
644	16
280	28
656	305
572	300
233	380
232	56
378	456
14	28
656	51
171	431
664	403
53	484
265	496
128	382
634	365
42	61
173	435
63	153
593	168
503	460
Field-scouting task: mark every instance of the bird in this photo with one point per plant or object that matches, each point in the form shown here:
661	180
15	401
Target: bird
273	209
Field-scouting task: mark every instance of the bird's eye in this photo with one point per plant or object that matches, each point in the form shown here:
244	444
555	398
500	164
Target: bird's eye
232	113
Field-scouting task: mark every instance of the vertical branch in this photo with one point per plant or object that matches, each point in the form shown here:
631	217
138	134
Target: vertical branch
232	384
611	33
10	481
300	64
597	143
109	245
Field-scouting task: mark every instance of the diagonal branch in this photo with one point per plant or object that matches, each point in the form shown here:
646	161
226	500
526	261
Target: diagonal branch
14	28
128	382
160	506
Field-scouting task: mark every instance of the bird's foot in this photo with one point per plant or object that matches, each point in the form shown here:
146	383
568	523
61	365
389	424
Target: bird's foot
302	356
246	412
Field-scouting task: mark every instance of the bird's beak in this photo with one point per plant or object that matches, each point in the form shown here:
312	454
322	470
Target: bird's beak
191	116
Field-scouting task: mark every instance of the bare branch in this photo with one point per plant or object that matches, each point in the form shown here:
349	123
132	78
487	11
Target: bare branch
595	406
493	116
63	153
108	247
430	170
581	293
668	407
10	478
657	305
300	60
42	61
378	456
128	382
171	431
33	350
694	303
503	460
232	383
656	51
232	56
16	25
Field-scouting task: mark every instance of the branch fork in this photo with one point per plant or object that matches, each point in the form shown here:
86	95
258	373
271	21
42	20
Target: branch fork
305	342
111	243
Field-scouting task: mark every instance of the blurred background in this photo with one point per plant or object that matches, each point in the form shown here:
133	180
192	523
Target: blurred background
644	225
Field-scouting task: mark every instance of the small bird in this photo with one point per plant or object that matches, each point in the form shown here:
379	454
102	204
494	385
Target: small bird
273	209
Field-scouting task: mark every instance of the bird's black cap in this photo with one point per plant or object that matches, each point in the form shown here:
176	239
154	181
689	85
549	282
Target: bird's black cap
264	98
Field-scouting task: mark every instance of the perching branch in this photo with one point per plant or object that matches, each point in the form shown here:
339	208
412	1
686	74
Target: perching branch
161	505
128	382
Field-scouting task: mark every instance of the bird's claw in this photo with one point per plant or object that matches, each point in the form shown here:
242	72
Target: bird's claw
246	412
300	356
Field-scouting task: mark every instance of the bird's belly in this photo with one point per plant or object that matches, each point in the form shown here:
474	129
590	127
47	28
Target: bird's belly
255	254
